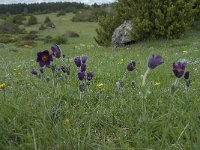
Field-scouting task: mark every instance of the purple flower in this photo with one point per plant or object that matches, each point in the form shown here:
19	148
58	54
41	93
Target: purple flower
44	58
83	67
84	58
179	69
154	61
56	51
34	72
187	75
81	75
77	61
90	76
131	66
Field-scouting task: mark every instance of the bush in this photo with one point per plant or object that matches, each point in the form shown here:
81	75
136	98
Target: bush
32	20
61	13
71	34
26	44
47	20
60	40
42	27
8	27
156	19
48	39
18	19
30	37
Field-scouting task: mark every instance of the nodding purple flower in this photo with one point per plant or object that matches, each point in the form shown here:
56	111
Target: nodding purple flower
179	69
77	61
34	72
154	61
90	76
131	66
44	58
83	67
187	75
56	51
81	75
84	59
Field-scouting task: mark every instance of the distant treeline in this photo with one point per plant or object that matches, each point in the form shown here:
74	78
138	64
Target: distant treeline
41	7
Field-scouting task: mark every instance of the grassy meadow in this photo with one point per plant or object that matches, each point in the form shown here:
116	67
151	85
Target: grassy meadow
33	116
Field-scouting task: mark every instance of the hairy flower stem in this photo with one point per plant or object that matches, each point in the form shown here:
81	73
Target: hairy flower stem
176	82
124	75
145	76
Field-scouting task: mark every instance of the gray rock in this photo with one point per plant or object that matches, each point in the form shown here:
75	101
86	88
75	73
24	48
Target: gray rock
121	35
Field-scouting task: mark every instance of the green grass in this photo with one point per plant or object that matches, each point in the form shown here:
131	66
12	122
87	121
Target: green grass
105	118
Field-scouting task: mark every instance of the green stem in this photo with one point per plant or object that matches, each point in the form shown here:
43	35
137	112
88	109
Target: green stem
124	75
145	76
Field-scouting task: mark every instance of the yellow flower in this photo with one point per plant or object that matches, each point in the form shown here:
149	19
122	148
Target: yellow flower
157	83
100	84
121	61
66	122
2	86
28	46
185	51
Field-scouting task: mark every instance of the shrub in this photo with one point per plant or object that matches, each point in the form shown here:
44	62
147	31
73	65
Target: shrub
18	19
61	13
30	37
156	19
48	39
47	20
71	34
8	27
60	40
42	27
26	44
32	20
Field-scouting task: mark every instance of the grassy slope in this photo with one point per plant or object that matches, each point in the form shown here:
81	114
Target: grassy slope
104	119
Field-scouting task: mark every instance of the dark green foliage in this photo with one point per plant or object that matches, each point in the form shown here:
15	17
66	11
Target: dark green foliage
30	37
89	15
42	27
41	7
151	19
32	20
61	13
107	25
48	39
18	19
47	20
8	27
71	34
60	40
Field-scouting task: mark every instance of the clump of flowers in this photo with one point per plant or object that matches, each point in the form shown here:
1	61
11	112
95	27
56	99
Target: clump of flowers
47	60
83	76
130	67
153	62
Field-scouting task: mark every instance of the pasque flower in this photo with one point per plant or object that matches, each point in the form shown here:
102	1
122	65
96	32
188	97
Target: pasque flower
131	66
84	59
154	61
81	75
56	51
44	58
77	61
90	76
83	67
179	69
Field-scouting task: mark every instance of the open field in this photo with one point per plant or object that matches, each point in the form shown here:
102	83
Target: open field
104	118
